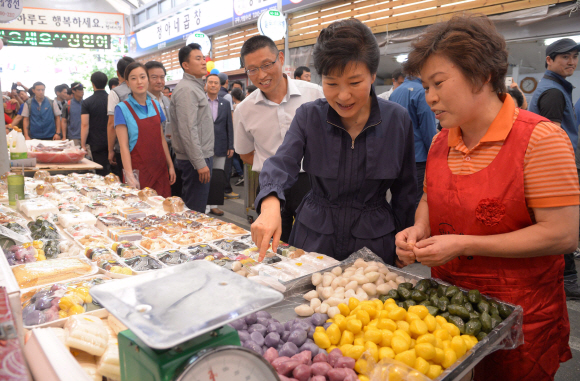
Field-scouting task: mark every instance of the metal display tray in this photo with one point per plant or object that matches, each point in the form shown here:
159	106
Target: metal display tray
499	338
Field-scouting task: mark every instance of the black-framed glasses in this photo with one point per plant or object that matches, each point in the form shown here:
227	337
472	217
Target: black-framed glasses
267	67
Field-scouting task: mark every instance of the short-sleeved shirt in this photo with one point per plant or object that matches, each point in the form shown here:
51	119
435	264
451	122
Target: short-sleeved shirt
550	177
95	107
124	116
72	112
26	111
260	124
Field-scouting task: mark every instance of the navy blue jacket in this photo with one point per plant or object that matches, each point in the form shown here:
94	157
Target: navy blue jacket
411	95
223	129
346	208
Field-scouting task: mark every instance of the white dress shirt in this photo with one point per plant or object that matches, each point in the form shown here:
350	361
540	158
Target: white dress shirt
260	124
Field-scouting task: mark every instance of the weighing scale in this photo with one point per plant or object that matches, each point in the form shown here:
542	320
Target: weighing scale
176	320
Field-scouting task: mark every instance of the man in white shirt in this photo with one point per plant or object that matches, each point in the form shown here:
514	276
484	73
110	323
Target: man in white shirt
263	118
398	79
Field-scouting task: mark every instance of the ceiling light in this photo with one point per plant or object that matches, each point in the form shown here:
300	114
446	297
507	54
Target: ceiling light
401	58
549	41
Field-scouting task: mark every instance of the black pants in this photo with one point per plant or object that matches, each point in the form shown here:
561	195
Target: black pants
293	197
228	174
177	186
102	158
118	169
420	178
570	265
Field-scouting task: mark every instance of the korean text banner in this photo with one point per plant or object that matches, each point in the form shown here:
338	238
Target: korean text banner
203	17
55	40
64	21
246	11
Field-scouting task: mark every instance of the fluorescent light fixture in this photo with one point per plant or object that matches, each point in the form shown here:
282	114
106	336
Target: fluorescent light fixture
549	41
401	58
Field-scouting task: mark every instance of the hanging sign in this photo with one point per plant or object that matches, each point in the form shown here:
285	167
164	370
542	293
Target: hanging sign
10	10
246	11
201	39
65	21
205	17
272	24
55	40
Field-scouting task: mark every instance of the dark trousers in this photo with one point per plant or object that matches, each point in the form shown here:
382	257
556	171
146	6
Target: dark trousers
194	193
293	197
216	187
569	265
228	174
237	163
102	158
118	169
177	186
420	178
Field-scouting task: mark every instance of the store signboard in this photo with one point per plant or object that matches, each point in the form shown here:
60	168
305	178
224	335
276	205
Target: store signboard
202	39
65	21
55	40
246	11
9	10
294	5
205	17
272	24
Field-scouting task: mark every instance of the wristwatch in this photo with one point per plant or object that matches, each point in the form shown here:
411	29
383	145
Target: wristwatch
59	134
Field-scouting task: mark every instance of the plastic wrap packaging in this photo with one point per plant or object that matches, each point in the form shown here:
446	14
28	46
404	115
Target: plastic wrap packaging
92	240
59	301
86	333
155	244
87	363
46	272
111	179
81	230
147	192
12	363
67	220
132	179
66	156
41	175
231	229
389	369
42	189
173	205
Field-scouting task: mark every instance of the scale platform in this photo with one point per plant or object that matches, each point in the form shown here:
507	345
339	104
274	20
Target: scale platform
168	307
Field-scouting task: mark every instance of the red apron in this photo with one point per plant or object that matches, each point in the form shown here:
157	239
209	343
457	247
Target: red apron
148	156
488	202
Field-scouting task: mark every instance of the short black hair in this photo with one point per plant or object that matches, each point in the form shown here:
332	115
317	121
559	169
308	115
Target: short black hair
238	82
516	95
122	65
59	88
39	84
212	75
300	70
20	91
238	94
344	42
256	43
397	73
99	80
251	89
113	82
185	51
167	88
155	65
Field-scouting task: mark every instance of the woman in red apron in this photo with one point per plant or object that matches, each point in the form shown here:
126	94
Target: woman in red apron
501	194
138	126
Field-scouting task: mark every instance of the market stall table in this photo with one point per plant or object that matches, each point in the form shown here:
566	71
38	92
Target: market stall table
83	165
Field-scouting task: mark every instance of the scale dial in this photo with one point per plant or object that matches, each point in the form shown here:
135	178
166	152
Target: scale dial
227	363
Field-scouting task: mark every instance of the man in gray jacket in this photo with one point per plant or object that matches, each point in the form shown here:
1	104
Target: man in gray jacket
192	129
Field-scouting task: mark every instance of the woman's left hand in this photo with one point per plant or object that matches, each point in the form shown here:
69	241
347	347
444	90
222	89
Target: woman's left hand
172	175
438	250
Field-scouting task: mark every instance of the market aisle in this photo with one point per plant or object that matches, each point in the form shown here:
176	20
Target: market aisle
235	212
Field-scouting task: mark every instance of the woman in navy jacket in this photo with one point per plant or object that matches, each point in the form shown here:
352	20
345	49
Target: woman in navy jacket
354	146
